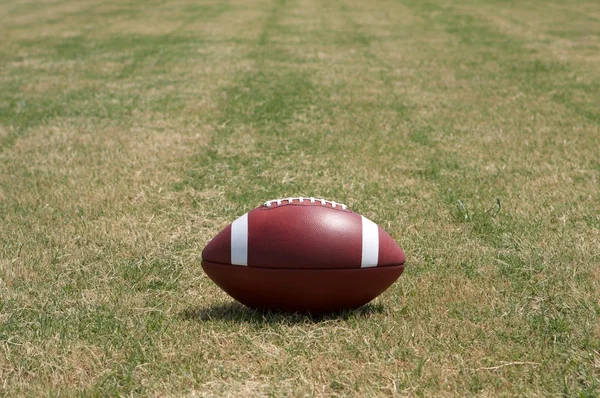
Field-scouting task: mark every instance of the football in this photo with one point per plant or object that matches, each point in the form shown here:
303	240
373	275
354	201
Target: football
303	255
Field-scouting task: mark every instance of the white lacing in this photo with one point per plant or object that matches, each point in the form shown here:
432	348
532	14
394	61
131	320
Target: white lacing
300	199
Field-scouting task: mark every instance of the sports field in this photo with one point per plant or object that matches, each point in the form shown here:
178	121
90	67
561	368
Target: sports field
131	132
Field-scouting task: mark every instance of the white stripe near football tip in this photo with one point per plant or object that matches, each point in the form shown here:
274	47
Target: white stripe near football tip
370	243
239	241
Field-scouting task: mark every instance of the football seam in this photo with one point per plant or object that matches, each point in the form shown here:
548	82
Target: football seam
304	205
303	269
301	199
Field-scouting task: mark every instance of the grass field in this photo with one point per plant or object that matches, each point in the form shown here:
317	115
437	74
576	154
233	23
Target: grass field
133	131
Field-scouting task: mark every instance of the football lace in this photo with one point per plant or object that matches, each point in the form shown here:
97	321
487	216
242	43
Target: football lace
300	199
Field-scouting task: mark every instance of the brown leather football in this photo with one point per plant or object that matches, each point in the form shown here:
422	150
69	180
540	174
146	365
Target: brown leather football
303	254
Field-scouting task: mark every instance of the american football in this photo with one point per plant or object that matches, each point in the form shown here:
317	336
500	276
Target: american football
304	255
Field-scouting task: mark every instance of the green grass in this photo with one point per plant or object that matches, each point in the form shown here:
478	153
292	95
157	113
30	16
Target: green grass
132	132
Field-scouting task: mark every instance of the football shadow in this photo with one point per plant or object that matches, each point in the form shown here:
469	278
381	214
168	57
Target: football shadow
235	312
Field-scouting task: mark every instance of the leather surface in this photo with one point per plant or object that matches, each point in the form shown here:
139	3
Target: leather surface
218	249
307	236
389	251
301	289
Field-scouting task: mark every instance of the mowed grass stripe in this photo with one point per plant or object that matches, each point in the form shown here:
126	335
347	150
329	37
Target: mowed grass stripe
535	72
21	111
258	126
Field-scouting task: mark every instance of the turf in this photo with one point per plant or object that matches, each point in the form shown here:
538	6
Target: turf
132	132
